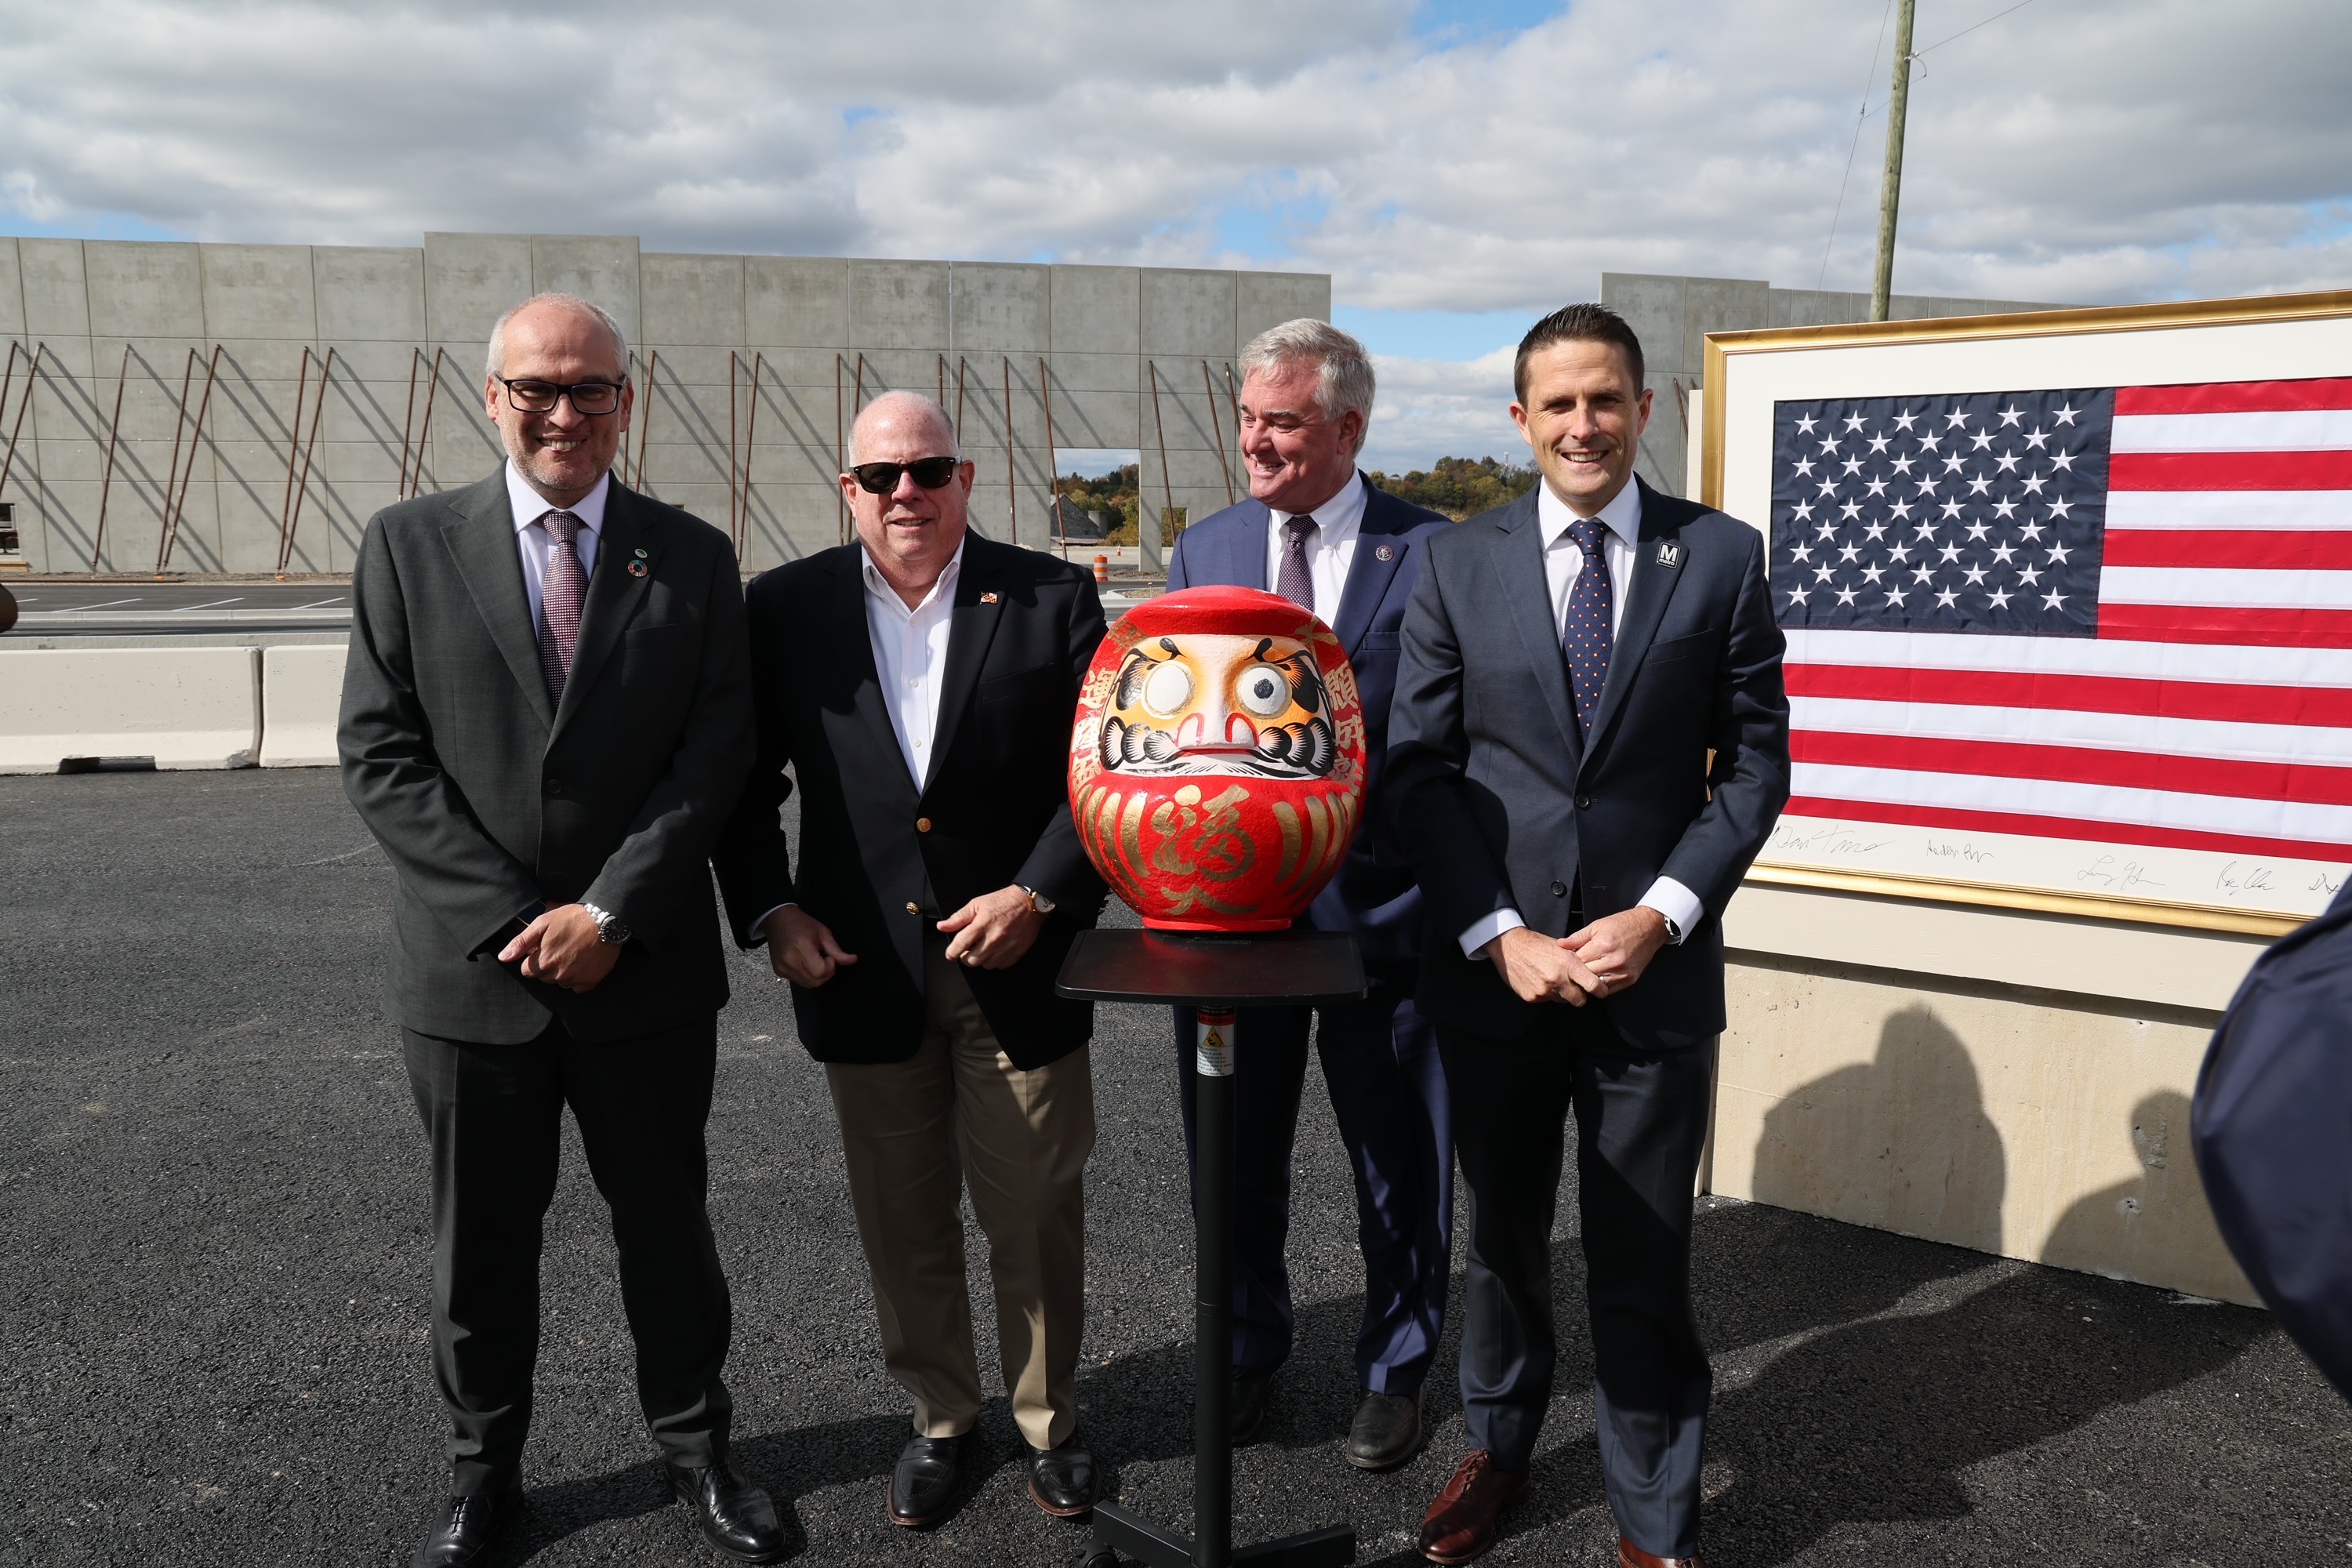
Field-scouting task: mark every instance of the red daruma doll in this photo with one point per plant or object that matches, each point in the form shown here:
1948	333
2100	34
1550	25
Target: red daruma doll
1217	764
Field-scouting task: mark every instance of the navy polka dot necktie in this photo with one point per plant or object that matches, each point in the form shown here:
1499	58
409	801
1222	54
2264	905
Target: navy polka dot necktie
1586	636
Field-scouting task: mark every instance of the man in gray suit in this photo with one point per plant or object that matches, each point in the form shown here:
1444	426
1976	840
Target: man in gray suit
546	720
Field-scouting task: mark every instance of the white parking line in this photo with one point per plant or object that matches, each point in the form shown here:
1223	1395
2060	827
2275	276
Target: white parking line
102	603
212	604
336	600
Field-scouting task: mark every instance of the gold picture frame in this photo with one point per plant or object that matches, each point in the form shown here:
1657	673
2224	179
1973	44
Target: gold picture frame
1728	356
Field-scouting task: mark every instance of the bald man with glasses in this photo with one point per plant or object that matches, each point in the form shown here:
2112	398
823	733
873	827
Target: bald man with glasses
921	683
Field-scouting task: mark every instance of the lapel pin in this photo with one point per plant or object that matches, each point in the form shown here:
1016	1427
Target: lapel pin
988	598
636	568
641	552
1384	553
1669	552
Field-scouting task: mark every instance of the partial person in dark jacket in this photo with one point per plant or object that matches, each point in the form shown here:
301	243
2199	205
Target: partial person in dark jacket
1589	746
920	684
1318	531
546	721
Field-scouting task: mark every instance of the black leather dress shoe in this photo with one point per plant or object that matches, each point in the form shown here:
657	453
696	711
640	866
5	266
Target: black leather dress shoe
924	1482
1386	1431
737	1520
1251	1392
1062	1481
471	1526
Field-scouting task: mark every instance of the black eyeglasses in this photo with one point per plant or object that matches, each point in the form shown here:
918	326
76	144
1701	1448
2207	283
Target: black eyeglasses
881	478
589	398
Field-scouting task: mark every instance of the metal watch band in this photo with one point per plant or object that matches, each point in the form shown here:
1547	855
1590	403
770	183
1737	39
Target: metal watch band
609	928
1037	901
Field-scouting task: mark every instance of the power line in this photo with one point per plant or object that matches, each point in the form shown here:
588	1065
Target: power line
1862	114
1964	32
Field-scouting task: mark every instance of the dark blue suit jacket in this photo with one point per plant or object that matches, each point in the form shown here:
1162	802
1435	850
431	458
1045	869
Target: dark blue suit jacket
1501	803
2272	1122
1373	896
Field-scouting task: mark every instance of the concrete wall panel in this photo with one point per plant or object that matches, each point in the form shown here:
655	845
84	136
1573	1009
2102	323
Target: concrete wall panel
144	290
796	301
1188	313
693	299
899	304
259	291
56	293
11	293
1263	299
1654	308
471	279
1001	308
369	293
602	269
1096	310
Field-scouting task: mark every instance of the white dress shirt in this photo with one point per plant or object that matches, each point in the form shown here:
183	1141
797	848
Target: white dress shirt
910	660
1330	549
536	544
1622	518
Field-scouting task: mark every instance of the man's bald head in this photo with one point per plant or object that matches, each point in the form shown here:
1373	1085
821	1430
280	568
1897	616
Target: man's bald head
907	414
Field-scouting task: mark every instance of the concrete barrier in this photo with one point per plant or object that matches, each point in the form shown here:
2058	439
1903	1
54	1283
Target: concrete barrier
2010	1082
302	697
183	708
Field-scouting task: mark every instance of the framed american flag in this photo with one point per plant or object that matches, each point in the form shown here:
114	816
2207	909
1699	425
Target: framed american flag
2068	598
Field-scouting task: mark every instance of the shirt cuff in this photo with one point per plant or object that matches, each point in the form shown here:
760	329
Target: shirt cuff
1488	929
1677	903
757	936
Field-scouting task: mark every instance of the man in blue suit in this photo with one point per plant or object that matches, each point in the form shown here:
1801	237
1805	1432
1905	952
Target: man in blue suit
1315	530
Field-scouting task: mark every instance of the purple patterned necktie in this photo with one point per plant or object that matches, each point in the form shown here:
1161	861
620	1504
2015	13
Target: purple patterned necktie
1587	634
561	590
1296	583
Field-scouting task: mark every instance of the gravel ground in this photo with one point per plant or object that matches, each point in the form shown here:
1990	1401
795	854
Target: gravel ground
213	1276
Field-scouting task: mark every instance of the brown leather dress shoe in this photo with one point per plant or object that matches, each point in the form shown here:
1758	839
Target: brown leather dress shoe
1631	1556
1460	1525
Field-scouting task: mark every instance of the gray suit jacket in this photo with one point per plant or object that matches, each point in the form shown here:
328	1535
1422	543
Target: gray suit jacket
1502	804
488	801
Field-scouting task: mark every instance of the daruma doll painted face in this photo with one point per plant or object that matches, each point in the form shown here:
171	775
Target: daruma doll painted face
1217	765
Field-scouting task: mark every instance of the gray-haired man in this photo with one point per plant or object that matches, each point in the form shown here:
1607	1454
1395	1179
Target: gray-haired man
1317	532
547	717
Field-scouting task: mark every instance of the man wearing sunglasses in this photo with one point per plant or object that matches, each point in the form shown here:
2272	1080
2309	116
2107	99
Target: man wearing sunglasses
920	684
546	720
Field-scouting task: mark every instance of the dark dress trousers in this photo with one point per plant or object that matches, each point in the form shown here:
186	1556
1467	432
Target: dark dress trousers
1503	805
882	859
1379	1056
491	801
2272	1120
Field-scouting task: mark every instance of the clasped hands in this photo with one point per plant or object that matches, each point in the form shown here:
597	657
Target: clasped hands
1598	960
992	931
563	947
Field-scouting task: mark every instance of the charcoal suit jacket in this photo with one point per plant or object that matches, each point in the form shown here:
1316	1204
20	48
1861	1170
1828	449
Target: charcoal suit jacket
1502	804
489	800
884	855
1373	896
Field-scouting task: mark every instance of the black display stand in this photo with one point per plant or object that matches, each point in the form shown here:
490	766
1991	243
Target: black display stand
1214	974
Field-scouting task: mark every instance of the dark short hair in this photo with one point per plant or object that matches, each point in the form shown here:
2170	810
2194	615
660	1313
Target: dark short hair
1577	324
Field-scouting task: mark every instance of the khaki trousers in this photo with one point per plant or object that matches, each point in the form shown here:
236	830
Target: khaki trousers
915	1132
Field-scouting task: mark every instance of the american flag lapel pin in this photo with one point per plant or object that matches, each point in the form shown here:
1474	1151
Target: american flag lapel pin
988	598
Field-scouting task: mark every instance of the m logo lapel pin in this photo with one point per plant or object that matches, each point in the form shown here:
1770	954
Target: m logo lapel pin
1669	552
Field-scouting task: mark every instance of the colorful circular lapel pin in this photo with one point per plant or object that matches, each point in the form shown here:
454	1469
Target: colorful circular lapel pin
1384	553
636	568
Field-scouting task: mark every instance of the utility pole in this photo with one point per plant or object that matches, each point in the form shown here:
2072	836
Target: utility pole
1890	196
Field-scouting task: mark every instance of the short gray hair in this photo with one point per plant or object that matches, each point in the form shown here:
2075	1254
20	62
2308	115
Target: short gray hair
1346	382
947	425
495	361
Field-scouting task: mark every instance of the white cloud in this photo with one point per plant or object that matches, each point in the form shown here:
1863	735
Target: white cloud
2077	150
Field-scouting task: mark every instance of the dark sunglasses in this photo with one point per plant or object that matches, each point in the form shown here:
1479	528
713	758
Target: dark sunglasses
589	397
881	478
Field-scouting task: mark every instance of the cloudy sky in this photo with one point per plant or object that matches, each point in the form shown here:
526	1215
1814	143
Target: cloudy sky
1456	166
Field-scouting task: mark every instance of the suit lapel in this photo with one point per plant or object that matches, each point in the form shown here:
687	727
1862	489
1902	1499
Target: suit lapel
614	592
1245	563
971	626
480	538
856	677
1519	568
1645	606
1370	573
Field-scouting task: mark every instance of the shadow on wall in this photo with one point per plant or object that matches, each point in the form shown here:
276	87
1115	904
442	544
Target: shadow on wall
2146	1226
1900	1144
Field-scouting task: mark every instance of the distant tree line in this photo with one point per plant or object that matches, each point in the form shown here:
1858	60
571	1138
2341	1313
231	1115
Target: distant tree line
1459	487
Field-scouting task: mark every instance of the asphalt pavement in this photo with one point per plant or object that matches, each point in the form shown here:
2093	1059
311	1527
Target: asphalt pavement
69	607
212	1278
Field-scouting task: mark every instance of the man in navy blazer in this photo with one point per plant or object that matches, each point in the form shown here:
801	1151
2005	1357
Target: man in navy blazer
1589	746
1317	532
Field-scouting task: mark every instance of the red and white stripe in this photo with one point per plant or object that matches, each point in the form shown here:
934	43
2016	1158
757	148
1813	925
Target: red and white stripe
2215	709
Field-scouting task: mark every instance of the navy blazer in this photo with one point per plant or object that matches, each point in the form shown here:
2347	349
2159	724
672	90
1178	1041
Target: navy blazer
1373	896
1502	805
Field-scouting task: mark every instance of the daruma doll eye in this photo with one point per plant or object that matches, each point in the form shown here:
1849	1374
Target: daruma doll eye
1263	690
1168	689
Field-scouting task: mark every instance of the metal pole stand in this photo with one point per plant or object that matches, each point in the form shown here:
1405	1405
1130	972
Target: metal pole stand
1213	974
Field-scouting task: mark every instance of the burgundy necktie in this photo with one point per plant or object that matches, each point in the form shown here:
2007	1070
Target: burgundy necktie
561	590
1296	583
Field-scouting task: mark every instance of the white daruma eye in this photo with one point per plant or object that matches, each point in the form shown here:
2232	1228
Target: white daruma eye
1263	690
1167	688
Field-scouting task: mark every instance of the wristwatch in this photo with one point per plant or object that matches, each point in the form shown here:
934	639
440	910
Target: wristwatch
1037	901
1673	928
609	928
